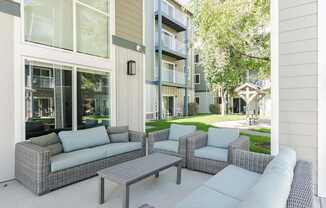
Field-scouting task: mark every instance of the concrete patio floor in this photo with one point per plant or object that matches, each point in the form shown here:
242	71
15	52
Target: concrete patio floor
161	193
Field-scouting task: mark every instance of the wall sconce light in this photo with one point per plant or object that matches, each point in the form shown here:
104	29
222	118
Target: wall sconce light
131	67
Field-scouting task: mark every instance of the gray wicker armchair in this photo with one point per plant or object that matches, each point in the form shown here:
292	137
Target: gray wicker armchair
33	165
212	166
168	146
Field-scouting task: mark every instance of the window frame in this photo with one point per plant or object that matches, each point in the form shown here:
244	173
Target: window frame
197	83
197	97
32	51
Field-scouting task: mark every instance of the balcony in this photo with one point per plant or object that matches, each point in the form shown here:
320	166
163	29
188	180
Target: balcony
171	16
172	77
44	82
172	47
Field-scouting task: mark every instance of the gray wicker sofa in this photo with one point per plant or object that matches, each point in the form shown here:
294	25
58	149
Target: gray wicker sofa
213	157
35	169
255	181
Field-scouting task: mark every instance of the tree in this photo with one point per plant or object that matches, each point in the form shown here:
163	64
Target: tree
234	37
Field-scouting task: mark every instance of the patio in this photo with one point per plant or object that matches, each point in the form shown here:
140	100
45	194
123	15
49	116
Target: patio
161	193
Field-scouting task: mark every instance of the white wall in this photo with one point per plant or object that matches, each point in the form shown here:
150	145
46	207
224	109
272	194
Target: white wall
7	140
205	99
298	86
130	90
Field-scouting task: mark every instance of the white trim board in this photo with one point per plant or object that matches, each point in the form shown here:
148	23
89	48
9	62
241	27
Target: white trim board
321	175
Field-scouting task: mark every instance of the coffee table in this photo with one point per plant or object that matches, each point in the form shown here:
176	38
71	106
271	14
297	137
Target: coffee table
136	170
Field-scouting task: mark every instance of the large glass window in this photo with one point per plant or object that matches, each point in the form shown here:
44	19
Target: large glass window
92	32
48	98
93	98
51	23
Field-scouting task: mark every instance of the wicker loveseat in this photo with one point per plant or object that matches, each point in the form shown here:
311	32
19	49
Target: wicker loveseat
41	171
211	152
257	181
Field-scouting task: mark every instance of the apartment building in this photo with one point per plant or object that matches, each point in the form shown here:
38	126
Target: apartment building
169	60
68	65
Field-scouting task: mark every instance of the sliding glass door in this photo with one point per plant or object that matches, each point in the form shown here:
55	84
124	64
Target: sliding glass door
93	98
50	101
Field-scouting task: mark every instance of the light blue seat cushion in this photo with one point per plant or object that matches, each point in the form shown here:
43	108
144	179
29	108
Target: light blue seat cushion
113	149
271	191
72	159
75	140
212	153
283	163
222	138
177	131
273	187
207	198
168	145
233	181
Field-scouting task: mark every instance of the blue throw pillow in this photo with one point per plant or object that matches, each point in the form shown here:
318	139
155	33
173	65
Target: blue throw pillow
75	140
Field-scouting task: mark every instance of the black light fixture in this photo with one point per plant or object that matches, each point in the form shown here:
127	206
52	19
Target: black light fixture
131	67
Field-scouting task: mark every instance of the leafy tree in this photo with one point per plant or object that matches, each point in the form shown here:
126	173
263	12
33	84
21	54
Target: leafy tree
234	38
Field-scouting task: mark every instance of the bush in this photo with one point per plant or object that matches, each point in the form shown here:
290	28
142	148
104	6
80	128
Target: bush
214	108
192	109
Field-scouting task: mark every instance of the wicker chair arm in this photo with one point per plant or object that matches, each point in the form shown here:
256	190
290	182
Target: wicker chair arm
32	166
251	161
136	136
242	143
302	191
156	137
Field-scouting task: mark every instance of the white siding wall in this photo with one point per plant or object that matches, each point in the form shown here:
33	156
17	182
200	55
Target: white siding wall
298	85
7	125
130	90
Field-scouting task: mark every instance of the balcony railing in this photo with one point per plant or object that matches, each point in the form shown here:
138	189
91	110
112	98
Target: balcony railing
172	44
171	12
173	76
41	81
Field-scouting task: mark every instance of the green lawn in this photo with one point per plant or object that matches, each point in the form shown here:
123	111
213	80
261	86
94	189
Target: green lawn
263	130
203	122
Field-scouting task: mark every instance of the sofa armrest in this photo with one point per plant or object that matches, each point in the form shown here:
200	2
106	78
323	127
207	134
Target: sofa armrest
242	143
32	166
255	162
156	137
136	136
196	141
302	193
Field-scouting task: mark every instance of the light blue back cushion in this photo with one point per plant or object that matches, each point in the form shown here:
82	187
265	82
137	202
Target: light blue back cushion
177	131
221	138
75	140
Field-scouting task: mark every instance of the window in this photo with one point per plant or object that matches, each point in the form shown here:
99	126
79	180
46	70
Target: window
197	100
197	78
93	98
52	23
48	98
196	59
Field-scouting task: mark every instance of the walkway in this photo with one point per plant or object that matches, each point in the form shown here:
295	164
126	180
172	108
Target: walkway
245	127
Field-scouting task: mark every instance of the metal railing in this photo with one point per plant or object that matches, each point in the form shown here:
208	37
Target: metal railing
172	43
171	11
173	76
42	81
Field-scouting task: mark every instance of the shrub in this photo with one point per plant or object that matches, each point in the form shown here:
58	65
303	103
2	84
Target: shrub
214	108
192	109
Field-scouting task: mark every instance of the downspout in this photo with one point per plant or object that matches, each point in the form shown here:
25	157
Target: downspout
186	71
159	36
